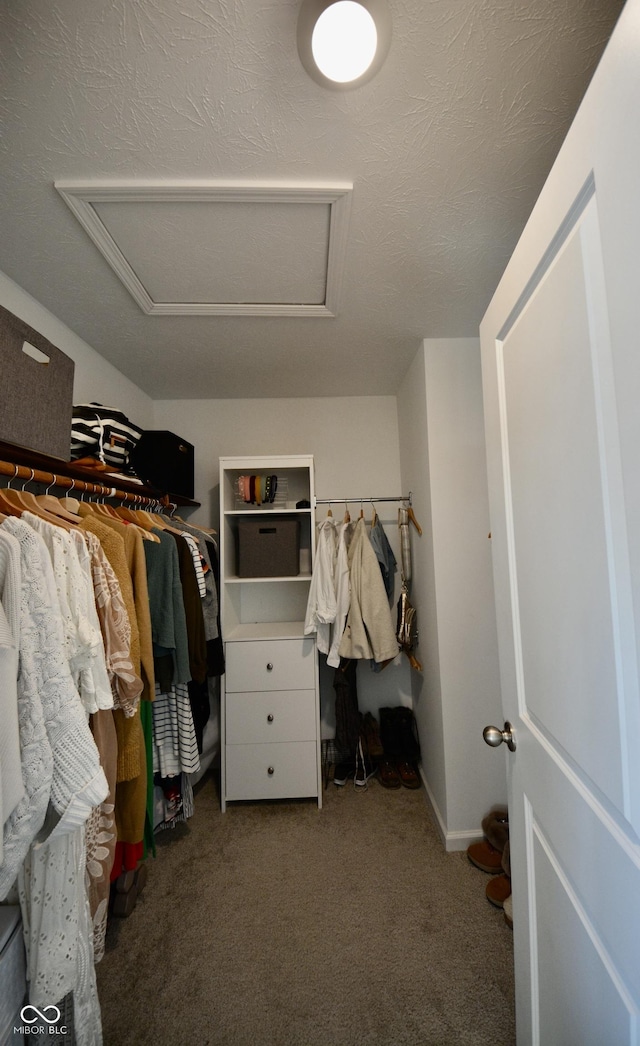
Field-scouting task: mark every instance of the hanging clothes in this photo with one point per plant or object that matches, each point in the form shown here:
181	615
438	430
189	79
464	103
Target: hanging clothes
83	639
75	617
134	775
347	712
11	784
343	592
26	819
58	935
175	746
384	554
321	604
369	632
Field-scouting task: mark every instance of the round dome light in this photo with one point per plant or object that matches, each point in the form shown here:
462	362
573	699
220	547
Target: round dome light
344	41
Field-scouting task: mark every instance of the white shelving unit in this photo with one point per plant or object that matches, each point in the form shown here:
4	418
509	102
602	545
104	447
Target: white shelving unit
270	714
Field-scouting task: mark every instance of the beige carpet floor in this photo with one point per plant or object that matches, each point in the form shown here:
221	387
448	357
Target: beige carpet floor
279	924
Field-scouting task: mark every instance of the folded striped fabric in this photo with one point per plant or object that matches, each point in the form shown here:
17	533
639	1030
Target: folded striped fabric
104	433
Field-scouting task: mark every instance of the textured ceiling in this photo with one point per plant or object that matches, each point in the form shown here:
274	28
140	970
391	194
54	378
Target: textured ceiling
447	149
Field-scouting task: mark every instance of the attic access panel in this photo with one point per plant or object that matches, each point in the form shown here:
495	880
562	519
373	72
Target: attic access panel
207	248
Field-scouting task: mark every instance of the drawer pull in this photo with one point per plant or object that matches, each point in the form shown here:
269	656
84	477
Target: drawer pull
269	666
270	771
269	718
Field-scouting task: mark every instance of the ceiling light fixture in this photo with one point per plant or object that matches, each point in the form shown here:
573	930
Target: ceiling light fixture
343	43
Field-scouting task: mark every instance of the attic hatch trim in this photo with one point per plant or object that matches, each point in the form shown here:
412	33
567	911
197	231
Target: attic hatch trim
81	196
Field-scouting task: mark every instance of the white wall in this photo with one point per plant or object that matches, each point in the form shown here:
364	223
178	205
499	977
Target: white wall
442	448
94	378
354	441
425	686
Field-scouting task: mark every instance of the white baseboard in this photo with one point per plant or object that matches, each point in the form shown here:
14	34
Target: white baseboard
452	841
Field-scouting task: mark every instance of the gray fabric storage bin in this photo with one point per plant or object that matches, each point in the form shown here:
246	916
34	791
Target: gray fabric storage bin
268	547
13	982
37	397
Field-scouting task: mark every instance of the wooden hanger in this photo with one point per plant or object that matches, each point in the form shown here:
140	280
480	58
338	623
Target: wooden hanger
107	510
131	516
126	515
374	517
205	530
8	507
52	505
347	516
413	519
70	503
25	501
162	523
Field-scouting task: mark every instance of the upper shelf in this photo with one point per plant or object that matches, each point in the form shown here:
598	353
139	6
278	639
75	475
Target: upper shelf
42	462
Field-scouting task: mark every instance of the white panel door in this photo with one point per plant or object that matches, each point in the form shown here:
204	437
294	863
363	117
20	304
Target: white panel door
561	372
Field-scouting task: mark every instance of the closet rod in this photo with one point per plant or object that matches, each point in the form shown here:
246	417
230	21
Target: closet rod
8	468
353	501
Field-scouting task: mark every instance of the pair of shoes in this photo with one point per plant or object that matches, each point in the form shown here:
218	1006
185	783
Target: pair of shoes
342	773
125	881
399	733
362	764
389	776
507	908
124	901
141	875
397	772
371	732
408	775
485	857
499	888
127	888
496	827
487	854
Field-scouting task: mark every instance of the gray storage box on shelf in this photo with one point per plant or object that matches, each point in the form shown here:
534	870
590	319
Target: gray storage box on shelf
37	390
268	547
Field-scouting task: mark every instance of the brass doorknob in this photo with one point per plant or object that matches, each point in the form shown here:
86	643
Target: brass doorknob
495	737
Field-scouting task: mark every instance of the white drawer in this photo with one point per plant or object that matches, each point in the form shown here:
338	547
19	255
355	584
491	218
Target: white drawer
274	715
277	771
270	664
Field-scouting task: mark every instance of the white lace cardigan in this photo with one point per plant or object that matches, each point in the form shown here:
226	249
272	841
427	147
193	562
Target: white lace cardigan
58	932
27	817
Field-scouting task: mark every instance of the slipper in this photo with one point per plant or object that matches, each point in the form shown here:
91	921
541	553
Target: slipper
124	903
495	827
125	881
498	889
507	908
408	776
140	876
485	857
389	776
